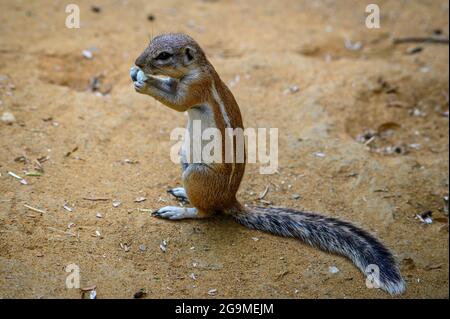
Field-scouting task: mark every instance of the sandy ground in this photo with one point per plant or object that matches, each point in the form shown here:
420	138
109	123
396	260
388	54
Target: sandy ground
116	146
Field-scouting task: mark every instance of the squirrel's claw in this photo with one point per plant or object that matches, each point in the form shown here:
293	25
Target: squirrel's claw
179	193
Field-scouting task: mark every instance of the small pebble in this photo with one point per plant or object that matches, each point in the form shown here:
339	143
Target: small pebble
142	247
333	269
96	9
415	146
163	246
414	50
8	118
291	90
353	46
140	199
116	203
296	196
87	54
212	292
140	294
319	154
418	113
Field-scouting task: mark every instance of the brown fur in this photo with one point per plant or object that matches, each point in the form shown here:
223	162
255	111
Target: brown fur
212	187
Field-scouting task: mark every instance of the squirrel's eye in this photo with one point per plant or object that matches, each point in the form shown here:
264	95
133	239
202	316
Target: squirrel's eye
163	56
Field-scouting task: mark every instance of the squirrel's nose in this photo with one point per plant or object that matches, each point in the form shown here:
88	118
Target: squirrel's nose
140	62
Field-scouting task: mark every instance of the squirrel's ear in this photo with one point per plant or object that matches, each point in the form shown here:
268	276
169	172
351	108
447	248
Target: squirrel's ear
189	55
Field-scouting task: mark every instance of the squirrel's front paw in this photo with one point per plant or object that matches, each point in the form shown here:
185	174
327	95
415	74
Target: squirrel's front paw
139	79
140	86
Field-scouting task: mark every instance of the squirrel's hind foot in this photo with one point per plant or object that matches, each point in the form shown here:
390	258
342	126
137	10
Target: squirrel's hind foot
176	213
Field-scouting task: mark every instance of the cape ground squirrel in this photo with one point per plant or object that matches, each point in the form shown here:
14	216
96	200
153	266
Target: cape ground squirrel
174	70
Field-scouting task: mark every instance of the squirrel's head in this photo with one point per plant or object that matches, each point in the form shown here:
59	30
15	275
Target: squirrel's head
173	55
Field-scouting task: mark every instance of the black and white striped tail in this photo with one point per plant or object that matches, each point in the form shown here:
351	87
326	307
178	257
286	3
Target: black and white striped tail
331	235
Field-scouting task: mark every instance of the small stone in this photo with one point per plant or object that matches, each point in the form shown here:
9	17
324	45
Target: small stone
414	50
212	292
96	9
87	54
8	118
291	90
296	196
418	113
446	205
319	154
140	199
116	203
415	146
353	46
333	269
163	246
98	215
140	294
142	247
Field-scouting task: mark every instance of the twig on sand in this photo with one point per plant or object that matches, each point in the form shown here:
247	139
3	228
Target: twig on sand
436	40
35	209
264	193
96	199
22	180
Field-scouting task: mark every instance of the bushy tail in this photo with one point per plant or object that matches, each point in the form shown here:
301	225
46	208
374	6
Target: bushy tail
331	235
